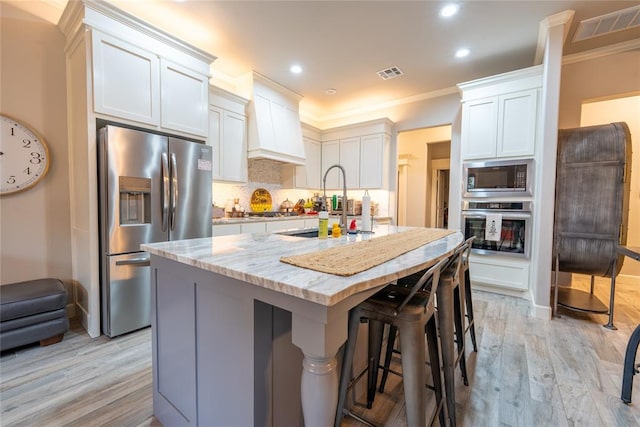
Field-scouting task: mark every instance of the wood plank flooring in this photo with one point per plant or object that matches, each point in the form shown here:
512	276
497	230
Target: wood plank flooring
527	372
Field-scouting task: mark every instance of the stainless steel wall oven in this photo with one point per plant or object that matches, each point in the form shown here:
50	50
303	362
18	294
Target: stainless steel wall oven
503	178
513	234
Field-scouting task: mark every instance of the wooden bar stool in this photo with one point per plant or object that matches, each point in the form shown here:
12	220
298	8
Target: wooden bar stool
408	309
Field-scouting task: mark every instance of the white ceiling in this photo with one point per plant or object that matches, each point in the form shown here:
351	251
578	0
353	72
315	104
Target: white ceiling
342	44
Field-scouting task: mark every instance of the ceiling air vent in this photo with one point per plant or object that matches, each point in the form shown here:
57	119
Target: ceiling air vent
390	73
611	22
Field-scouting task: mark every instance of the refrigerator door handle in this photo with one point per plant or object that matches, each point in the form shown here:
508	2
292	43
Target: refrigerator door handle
137	262
174	189
165	191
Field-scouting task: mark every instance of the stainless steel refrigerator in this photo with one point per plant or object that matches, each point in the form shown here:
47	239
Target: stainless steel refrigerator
153	188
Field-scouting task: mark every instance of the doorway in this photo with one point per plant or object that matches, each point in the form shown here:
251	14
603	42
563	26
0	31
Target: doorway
440	196
423	176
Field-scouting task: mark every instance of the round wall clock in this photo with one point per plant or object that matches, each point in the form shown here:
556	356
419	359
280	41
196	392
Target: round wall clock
24	156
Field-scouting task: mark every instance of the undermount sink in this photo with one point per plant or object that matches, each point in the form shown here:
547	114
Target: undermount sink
305	232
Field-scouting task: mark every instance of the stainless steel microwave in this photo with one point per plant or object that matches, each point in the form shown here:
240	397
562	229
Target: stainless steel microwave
498	178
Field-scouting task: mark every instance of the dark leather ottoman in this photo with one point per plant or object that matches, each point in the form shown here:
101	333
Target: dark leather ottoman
32	311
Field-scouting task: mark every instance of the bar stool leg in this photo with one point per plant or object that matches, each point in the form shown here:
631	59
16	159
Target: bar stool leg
436	374
391	340
376	330
469	301
458	310
413	372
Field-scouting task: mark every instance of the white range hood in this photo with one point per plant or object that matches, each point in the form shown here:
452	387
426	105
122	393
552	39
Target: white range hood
273	120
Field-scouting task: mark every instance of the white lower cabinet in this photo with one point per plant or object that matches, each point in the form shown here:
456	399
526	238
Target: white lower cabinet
499	272
253	227
226	229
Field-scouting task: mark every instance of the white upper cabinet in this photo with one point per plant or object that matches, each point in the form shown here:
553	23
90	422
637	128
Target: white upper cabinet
479	128
500	115
313	168
350	160
184	95
374	160
126	80
228	135
146	81
363	150
309	175
330	157
517	123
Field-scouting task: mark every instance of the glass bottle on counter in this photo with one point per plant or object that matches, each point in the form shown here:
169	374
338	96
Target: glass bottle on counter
323	224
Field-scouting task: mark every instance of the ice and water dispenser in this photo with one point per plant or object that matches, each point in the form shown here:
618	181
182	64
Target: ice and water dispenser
135	200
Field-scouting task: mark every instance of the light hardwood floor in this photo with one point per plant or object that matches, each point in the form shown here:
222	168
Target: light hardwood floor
527	372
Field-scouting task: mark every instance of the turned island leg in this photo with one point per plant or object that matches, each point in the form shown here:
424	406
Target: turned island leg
319	343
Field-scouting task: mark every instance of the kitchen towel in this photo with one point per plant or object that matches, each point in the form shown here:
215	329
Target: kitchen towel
493	227
353	258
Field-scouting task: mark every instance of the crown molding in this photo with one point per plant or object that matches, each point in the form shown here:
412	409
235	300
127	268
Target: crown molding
601	51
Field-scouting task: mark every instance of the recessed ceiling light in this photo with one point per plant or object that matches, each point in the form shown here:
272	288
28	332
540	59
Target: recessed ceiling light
330	91
461	53
295	69
449	10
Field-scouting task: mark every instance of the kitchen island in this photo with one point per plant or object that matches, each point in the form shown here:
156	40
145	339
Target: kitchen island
234	327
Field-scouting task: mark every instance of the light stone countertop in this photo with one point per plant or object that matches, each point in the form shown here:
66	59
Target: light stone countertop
255	258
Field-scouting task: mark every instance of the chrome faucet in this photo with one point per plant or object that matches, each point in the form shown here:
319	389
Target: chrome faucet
343	224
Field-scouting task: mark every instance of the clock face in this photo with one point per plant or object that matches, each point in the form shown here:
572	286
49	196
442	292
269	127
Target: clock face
24	157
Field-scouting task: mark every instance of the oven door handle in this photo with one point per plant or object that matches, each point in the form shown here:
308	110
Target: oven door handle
505	214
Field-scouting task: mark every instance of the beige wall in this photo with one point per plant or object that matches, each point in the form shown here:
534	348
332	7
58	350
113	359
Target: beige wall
34	224
417	147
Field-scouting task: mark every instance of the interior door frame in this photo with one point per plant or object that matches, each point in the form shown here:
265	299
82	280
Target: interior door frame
436	166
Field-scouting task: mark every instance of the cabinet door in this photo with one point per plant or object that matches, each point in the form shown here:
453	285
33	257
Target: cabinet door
350	160
479	129
225	229
126	80
517	124
309	175
372	167
331	156
185	99
253	227
215	140
234	147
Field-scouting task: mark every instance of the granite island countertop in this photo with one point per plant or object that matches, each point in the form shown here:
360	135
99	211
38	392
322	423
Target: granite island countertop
255	258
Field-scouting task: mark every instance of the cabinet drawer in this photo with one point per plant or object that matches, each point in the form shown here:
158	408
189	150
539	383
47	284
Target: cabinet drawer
496	272
226	229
